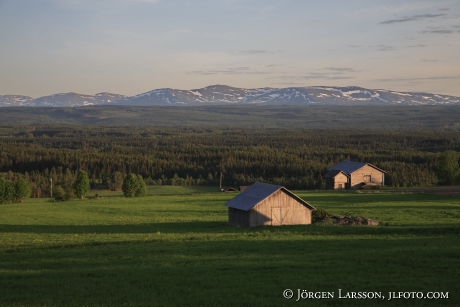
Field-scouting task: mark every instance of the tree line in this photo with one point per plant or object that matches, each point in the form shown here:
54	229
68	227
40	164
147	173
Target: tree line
296	158
15	192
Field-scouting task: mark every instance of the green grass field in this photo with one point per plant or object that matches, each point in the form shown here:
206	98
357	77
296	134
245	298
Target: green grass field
174	248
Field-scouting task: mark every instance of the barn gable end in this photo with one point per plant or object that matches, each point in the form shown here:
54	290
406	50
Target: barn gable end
348	174
264	204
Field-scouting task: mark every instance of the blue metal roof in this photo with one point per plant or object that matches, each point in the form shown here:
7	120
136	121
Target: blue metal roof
348	167
253	195
256	193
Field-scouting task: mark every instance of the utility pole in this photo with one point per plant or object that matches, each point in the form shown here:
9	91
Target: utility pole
51	187
220	182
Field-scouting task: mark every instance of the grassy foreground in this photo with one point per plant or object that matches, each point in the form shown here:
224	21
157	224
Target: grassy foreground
174	248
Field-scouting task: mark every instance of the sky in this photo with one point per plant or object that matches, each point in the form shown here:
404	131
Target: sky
134	46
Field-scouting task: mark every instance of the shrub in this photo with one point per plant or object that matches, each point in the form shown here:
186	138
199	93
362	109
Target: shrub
133	186
320	215
59	193
81	184
21	190
7	191
62	193
13	191
449	168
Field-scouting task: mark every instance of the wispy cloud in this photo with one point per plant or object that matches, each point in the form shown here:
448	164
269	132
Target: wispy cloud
254	51
316	76
92	2
332	73
340	69
430	60
439	31
442	30
384	48
145	1
242	70
427	78
417	46
411	18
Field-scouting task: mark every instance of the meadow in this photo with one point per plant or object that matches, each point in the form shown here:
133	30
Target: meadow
175	248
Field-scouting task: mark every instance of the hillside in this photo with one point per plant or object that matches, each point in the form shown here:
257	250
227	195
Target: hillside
243	116
225	95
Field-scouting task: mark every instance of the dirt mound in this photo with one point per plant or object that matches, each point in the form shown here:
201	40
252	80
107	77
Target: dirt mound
353	220
322	216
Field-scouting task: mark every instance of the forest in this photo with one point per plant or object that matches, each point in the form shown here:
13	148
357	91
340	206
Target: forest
294	157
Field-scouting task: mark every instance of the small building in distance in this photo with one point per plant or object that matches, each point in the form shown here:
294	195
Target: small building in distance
349	174
267	204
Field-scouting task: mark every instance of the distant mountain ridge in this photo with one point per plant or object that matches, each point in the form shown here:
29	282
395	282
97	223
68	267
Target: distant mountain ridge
225	95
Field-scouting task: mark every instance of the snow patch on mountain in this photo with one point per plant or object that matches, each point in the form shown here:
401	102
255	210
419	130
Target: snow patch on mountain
14	100
225	95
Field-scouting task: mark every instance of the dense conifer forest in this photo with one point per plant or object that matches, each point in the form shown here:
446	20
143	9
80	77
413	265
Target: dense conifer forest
297	158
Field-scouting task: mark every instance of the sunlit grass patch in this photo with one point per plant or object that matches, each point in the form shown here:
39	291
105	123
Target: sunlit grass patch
175	248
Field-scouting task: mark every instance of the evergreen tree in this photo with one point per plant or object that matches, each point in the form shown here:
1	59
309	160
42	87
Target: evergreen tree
21	190
115	181
59	193
133	185
448	170
81	184
142	187
6	191
62	193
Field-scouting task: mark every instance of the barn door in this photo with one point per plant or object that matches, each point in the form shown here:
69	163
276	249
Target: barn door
278	215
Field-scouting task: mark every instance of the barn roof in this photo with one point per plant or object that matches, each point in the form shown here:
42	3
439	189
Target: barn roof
334	172
349	167
256	193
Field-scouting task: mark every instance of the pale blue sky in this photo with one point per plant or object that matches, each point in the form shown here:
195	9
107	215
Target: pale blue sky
133	46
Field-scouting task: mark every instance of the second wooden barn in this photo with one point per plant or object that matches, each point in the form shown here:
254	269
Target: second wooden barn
267	204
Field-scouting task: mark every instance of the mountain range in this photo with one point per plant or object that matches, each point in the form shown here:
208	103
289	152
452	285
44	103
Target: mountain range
225	95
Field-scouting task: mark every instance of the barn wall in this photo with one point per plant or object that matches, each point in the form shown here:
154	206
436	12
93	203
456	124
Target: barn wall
340	181
367	174
279	209
238	217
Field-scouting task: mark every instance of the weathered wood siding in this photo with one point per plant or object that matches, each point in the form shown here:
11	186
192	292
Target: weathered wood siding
367	174
279	209
340	181
238	217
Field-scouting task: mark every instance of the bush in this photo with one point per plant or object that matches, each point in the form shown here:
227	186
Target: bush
6	191
13	191
61	193
21	190
449	168
320	215
133	186
115	182
81	184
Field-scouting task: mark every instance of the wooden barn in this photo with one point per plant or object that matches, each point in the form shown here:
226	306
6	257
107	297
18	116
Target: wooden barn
266	204
348	174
